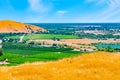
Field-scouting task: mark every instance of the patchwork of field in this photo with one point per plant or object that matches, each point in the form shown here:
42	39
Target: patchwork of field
62	52
18	53
76	43
69	42
45	36
71	39
91	66
90	41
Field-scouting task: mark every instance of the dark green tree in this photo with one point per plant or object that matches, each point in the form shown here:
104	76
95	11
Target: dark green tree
1	52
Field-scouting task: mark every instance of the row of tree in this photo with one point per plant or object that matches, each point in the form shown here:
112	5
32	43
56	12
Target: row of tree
100	36
108	49
1	52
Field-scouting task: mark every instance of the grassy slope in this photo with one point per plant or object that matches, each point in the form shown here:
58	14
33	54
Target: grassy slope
45	36
96	66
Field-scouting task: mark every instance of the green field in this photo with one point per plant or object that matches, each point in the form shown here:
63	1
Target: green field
45	36
18	55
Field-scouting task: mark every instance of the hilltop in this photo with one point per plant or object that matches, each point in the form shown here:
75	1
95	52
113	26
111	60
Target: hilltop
92	66
9	26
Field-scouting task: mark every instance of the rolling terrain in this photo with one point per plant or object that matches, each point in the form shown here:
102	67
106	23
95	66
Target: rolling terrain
41	56
8	26
92	66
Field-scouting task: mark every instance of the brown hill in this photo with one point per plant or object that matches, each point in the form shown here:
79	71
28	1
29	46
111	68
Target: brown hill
8	26
93	66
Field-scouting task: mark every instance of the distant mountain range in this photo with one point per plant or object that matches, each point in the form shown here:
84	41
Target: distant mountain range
9	26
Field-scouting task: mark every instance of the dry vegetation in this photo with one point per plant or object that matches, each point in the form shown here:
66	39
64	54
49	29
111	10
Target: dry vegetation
70	42
89	41
8	26
93	66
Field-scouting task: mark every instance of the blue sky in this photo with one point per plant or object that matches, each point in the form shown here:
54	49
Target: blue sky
55	11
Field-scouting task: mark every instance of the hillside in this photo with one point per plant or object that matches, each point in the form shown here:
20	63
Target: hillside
92	66
8	26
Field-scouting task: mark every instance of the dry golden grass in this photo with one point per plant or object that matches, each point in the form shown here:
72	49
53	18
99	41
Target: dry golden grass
93	66
7	26
89	41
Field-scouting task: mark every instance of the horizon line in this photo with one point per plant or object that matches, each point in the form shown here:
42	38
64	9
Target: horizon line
72	22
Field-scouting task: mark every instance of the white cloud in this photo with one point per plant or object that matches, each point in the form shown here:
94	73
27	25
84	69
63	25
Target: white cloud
37	6
61	12
112	8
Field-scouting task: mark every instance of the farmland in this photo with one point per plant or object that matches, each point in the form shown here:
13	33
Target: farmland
61	41
94	66
45	36
18	53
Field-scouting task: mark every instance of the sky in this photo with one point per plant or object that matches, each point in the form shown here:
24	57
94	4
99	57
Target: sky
60	11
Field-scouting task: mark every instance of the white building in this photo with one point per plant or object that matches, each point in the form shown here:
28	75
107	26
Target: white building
0	43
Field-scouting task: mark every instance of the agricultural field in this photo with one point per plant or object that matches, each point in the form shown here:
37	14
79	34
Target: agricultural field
44	36
88	41
18	53
93	66
60	40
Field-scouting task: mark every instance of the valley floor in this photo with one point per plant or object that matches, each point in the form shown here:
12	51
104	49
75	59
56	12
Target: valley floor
91	66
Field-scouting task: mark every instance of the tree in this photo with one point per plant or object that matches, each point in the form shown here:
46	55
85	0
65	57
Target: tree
54	45
31	43
1	52
110	49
